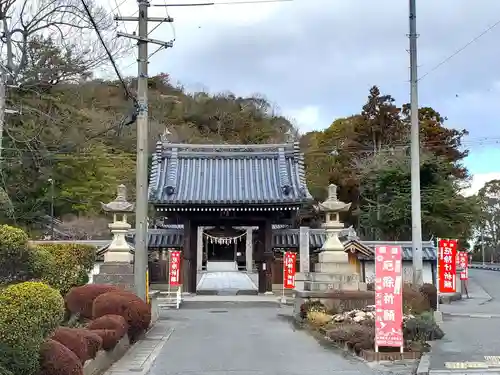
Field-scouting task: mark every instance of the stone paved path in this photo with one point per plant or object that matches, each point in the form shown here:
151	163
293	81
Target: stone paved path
472	330
228	282
248	341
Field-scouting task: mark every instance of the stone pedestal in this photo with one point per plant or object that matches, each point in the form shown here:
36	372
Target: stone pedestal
120	274
119	249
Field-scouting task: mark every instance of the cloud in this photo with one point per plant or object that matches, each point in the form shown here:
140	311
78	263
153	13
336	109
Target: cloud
478	181
318	58
306	118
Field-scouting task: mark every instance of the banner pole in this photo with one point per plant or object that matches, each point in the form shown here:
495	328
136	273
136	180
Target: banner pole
438	279
169	257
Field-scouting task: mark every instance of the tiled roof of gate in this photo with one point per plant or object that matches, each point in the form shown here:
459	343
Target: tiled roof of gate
228	175
165	238
428	249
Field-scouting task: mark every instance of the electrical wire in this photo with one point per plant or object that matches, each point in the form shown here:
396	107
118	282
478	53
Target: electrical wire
458	51
224	3
108	52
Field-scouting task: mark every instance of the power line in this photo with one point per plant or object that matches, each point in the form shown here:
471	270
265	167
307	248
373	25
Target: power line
475	39
243	2
108	52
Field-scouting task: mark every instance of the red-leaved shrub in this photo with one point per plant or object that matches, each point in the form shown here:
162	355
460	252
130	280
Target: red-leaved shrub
80	299
136	312
56	359
114	322
109	337
111	328
84	343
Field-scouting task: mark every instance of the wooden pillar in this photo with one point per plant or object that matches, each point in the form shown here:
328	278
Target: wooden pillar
259	258
268	255
193	281
186	257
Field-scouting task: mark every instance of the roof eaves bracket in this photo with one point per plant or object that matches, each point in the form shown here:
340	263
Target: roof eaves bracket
286	187
173	167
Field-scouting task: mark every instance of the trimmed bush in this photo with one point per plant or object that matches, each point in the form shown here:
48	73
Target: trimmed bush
110	337
56	359
94	341
114	322
68	266
80	300
31	304
136	312
85	344
29	312
15	256
414	302
430	292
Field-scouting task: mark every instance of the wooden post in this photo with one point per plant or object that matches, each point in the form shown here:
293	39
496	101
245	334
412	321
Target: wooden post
268	255
186	250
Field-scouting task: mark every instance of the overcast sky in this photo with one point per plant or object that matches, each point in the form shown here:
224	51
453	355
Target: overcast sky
316	59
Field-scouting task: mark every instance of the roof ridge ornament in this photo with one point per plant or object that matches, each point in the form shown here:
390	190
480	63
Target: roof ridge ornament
165	135
290	136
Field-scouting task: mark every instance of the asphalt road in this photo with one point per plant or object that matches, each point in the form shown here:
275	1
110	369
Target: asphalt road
246	341
476	333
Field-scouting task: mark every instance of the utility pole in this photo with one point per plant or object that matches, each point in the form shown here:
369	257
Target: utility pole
482	246
2	113
141	210
416	214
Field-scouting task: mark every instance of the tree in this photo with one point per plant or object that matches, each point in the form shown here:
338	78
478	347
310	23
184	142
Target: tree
367	156
488	226
69	134
27	24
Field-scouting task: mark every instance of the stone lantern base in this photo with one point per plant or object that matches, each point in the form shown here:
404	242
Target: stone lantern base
120	274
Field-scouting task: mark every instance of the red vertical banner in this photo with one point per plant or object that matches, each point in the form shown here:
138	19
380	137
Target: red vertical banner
447	262
174	272
463	263
289	265
388	296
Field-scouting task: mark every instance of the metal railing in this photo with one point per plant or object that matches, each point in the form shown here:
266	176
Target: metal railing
481	266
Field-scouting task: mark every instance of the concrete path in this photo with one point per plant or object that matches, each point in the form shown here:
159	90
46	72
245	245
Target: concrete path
472	328
247	341
226	282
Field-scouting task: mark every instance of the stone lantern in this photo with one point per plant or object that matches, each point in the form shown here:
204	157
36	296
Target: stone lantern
332	208
333	270
119	249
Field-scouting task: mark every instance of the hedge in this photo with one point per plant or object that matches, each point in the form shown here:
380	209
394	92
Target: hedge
110	337
29	312
79	300
15	255
136	312
111	329
67	266
56	359
85	344
115	322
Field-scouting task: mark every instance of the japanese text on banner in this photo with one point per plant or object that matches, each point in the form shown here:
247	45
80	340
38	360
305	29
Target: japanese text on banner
447	258
388	296
174	268
289	262
463	264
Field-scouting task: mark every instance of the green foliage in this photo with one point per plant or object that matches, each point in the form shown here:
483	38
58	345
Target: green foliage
422	328
367	156
488	224
15	255
64	266
29	312
70	134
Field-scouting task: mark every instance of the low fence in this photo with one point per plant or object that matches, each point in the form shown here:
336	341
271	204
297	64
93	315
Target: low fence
488	267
